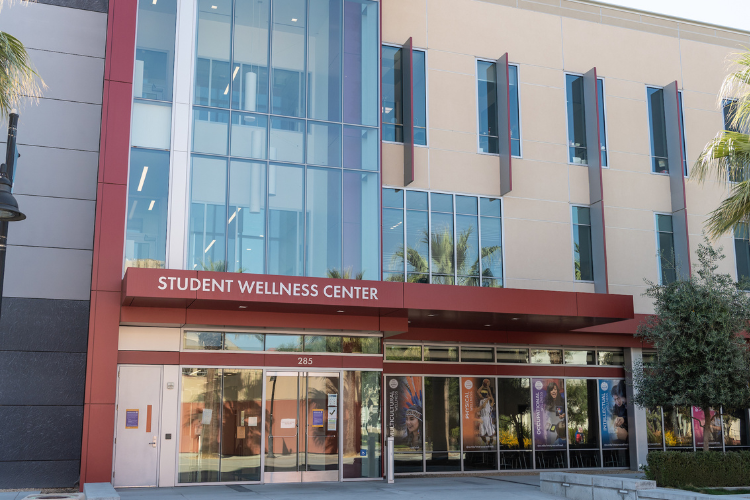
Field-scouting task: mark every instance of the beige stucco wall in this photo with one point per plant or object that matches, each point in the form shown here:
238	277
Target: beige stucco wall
545	39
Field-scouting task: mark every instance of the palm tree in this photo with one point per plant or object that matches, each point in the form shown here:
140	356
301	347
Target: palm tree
18	78
346	275
727	156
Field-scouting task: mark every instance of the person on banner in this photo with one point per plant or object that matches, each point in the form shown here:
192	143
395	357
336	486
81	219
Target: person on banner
620	412
486	426
411	416
554	402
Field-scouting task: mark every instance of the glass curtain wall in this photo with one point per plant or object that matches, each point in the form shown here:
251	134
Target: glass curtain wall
361	425
449	239
148	179
285	166
583	423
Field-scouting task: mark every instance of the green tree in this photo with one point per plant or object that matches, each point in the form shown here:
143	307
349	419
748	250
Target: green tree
727	156
702	356
18	78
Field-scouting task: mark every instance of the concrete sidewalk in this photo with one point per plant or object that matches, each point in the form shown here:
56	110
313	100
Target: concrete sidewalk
432	488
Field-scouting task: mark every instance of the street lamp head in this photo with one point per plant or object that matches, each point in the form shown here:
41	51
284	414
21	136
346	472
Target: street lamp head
8	204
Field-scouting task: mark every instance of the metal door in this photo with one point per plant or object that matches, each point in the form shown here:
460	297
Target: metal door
137	428
302	427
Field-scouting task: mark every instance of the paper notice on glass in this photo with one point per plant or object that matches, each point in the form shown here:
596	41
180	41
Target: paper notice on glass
288	423
131	419
240	433
333	400
252	421
207	414
331	424
318	418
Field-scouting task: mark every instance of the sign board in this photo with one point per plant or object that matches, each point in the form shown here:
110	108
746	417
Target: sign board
332	400
317	420
131	419
288	423
332	416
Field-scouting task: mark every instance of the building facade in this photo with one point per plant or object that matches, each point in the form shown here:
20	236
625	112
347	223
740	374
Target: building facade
323	222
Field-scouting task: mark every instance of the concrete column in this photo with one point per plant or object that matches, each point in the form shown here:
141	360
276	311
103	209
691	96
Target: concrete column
637	433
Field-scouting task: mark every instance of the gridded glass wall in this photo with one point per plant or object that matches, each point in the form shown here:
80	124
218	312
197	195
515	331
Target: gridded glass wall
681	429
442	238
285	140
148	178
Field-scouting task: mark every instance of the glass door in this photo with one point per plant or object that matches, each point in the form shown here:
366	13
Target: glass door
302	427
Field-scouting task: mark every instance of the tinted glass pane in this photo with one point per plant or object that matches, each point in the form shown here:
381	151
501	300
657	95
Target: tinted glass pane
200	425
441	202
487	100
512	355
324	223
208	215
602	122
284	343
250	57
403	352
419	94
666	258
361	148
547	356
363	345
203	341
244	341
363	429
492	254
729	108
577	152
742	254
490	206
583	417
582	253
442	244
241	432
393	198
286	219
391	89
210	131
579	357
466	205
682	135
653	428
249	135
212	69
514	411
664	223
436	353
582	215
416	241
246	228
322	343
393	242
148	193
678	427
416	200
467	250
515	120
616	358
735	428
324	144
288	58
324	60
287	140
441	416
154	55
477	355
361	225
151	125
658	128
361	62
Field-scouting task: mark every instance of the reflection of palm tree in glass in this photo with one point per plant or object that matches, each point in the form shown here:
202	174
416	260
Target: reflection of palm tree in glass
467	264
346	275
219	266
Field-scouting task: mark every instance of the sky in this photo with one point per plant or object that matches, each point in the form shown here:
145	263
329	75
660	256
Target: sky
730	13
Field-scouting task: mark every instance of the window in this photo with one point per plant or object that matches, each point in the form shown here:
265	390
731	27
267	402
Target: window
451	229
477	355
729	109
615	358
602	121
440	353
512	355
488	110
742	253
665	249
579	357
285	139
583	422
400	352
577	150
658	128
582	253
392	90
442	427
547	356
683	145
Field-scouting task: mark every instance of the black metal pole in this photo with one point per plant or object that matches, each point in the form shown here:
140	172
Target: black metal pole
7	170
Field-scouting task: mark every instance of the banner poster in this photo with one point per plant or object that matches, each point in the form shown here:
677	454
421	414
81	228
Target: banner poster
548	404
698	428
478	414
403	399
613	412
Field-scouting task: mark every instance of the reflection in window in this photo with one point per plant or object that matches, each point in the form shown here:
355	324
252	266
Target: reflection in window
243	342
654	428
396	352
614	358
324	223
515	115
440	353
208	215
200	425
362	345
547	356
488	114
477	355
321	343
512	355
361	424
577	148
658	128
154	55
442	426
148	194
417	237
441	238
583	422
361	62
393	234
241	425
582	253
284	343
514	411
579	357
678	427
204	341
665	249
735	428
602	122
742	253
393	103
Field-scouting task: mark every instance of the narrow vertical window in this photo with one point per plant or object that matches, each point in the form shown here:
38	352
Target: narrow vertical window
582	254
683	142
658	130
515	115
288	58
487	101
665	249
392	89
441	238
602	121
417	237
491	235
393	234
742	253
577	152
467	240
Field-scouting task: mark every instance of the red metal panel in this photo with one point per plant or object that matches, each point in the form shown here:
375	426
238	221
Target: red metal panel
104	359
112	238
362	362
103	130
438	369
627	327
530	370
98	454
84	444
394	324
97	236
110	37
605	305
222	358
281	320
148	358
123	41
594	371
152	316
119	104
303	360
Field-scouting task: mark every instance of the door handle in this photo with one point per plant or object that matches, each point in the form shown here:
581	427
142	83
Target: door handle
153	443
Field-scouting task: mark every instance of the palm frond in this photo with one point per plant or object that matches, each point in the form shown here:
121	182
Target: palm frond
736	86
18	78
725	157
731	211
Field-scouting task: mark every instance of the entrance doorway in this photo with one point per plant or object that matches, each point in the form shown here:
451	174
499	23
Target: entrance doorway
302	441
137	430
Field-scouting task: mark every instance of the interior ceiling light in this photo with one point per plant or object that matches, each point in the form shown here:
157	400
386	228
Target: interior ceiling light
430	315
214	7
151	206
339	311
243	307
294	19
143	178
487	325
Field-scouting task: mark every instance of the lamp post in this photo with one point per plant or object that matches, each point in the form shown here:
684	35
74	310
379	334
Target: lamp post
8	205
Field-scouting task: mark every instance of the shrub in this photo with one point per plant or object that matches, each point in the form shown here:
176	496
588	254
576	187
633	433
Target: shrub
700	469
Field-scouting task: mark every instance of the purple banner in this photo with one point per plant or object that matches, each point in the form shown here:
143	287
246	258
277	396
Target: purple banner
548	404
613	411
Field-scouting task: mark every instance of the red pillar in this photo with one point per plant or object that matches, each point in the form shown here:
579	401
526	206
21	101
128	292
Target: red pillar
109	234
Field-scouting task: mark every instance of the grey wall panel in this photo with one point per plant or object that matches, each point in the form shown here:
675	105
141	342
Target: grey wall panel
47	273
64	173
95	5
48	27
503	125
41	432
42	378
59	124
39	474
70	77
54	222
44	325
